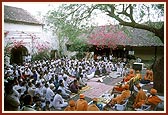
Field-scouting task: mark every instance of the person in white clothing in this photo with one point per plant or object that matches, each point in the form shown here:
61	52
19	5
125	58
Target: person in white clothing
31	89
119	71
49	93
64	92
66	82
38	90
58	102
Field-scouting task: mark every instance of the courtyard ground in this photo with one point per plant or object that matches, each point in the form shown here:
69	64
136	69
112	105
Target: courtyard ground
96	89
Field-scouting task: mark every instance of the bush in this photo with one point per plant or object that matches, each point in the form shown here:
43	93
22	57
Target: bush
44	55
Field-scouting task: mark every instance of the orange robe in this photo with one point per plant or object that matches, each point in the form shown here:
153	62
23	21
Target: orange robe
69	108
118	88
81	105
125	94
151	78
128	77
93	107
139	99
148	75
153	100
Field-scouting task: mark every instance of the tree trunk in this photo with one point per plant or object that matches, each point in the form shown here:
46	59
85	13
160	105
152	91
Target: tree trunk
158	70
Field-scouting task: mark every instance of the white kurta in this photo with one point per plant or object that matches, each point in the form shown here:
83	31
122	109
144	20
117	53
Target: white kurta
64	90
49	94
58	102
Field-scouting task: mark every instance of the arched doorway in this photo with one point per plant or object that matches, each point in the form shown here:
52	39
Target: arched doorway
18	55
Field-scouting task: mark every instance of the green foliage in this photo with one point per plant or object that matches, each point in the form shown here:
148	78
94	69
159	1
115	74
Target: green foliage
80	55
43	55
7	49
78	45
66	21
157	25
67	25
69	21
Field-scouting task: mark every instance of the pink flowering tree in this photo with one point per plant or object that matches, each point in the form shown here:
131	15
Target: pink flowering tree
107	37
11	43
37	46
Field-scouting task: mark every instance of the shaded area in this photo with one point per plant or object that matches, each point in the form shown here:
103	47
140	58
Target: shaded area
18	54
158	71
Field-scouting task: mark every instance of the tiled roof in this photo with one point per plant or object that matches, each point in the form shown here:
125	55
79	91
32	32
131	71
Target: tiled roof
140	37
13	14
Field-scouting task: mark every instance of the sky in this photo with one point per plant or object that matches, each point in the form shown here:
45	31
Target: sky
35	7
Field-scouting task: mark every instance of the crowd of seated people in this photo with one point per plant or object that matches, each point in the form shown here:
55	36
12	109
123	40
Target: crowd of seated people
44	78
48	84
139	96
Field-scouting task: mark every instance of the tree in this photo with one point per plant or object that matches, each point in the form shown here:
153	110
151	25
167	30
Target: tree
75	17
107	36
12	43
133	15
65	23
139	16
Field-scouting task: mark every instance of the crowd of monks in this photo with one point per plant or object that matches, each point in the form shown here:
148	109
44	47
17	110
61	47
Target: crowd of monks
133	79
82	105
130	86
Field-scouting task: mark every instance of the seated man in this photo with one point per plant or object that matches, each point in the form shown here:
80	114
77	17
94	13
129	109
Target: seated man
141	95
148	77
118	88
93	106
74	88
65	92
152	99
120	98
71	106
81	103
129	76
58	102
81	82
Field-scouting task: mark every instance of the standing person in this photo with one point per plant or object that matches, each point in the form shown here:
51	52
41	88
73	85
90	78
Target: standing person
58	101
28	58
81	103
31	89
28	101
71	106
93	106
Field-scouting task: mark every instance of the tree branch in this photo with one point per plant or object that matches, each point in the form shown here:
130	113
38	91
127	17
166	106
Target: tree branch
130	14
158	32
